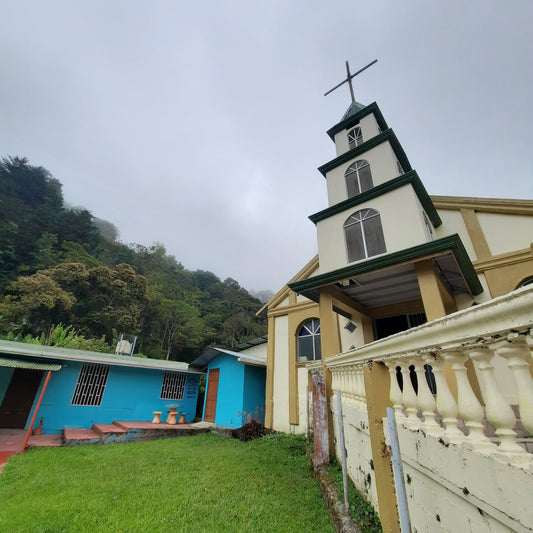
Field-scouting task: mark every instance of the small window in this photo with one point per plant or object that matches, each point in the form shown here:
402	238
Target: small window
355	137
358	178
364	235
309	341
91	384
173	386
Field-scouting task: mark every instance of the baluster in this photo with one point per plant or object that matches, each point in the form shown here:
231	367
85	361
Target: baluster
395	394
361	381
499	412
470	410
409	396
518	354
446	405
426	401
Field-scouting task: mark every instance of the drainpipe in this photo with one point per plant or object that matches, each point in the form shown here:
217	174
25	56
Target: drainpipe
28	433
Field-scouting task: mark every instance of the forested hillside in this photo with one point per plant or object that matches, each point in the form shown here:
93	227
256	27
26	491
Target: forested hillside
63	266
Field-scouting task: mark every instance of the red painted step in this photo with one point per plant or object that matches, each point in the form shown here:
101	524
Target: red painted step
108	428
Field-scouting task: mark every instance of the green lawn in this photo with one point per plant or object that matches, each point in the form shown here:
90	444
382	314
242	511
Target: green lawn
190	484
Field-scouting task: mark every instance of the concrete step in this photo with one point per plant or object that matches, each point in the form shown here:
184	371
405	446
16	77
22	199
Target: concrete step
80	436
110	433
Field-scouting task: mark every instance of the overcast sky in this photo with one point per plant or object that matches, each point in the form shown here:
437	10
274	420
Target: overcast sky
201	124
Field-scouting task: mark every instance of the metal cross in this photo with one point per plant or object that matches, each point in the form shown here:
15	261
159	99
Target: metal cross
349	77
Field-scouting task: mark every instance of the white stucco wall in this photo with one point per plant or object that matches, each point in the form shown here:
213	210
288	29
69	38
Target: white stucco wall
280	414
506	233
350	340
260	350
452	222
400	218
369	128
383	167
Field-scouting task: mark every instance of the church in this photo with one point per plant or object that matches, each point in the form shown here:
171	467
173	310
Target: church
407	286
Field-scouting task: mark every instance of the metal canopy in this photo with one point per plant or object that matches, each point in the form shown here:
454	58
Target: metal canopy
396	284
29	365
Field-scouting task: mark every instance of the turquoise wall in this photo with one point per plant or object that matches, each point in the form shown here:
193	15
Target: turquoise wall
254	392
241	392
230	390
130	394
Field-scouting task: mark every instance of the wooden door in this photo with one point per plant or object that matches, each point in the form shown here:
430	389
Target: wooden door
212	392
19	397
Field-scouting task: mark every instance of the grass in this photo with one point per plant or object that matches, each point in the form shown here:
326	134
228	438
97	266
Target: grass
361	511
204	483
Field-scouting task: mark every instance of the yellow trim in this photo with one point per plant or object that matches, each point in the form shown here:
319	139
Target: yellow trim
293	308
401	308
476	234
484	205
304	273
504	260
377	387
296	319
269	388
430	291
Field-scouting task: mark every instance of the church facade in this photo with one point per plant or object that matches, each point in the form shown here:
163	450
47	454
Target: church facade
390	257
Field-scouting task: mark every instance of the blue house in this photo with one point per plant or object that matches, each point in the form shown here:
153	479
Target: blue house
236	382
75	388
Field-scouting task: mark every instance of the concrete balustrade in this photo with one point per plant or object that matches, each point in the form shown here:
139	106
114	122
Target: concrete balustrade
460	349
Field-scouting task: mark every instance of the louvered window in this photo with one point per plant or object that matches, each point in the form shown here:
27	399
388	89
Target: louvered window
358	178
173	386
364	235
91	384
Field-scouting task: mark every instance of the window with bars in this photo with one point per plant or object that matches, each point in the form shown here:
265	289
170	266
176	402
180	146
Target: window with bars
358	178
91	384
173	386
355	137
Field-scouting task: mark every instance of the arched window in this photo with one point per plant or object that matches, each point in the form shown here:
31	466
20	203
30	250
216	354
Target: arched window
364	235
524	282
309	341
355	137
358	178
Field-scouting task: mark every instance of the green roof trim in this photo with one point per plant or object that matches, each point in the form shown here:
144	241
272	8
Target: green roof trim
452	243
29	365
384	136
350	120
410	178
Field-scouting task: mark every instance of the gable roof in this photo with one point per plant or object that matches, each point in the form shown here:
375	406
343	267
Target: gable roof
37	352
212	353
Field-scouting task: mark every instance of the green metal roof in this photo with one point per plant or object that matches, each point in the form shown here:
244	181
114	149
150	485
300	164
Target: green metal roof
384	136
354	108
405	179
452	244
65	354
352	117
29	365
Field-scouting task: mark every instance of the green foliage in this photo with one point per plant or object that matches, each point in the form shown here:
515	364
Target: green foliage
64	337
165	485
360	509
61	265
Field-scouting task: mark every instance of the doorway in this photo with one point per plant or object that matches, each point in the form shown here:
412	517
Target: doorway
19	398
212	393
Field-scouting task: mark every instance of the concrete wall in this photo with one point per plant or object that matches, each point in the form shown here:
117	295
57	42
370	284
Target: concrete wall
130	394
